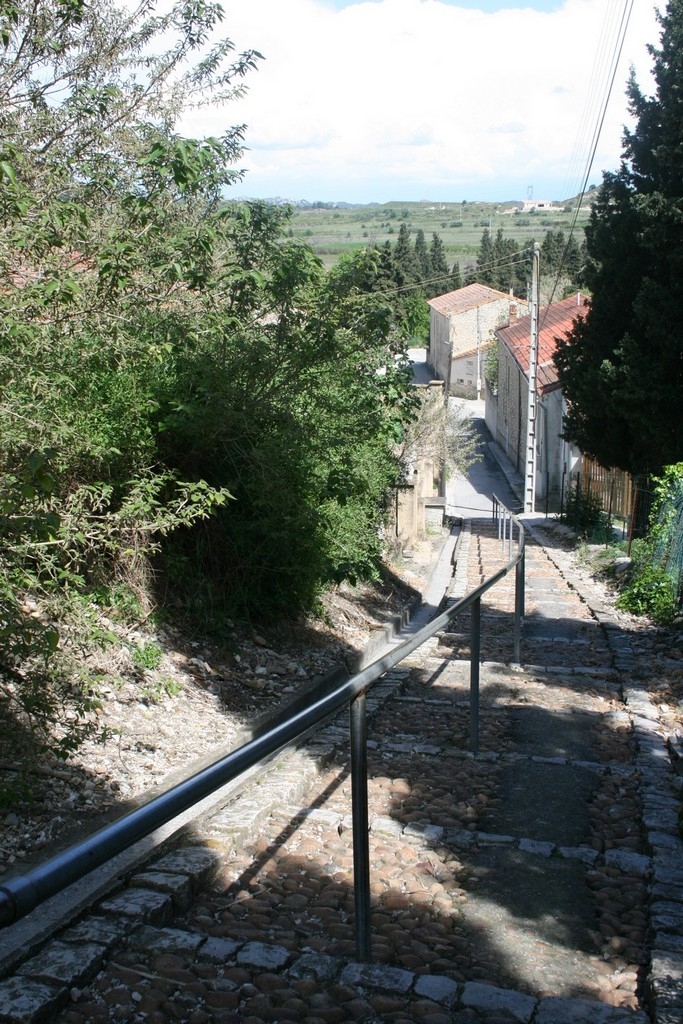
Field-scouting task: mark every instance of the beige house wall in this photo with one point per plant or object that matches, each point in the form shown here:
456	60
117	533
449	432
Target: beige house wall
468	368
555	458
512	401
457	341
440	346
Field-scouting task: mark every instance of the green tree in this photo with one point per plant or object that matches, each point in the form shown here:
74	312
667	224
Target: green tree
415	319
505	260
552	251
561	262
456	277
574	260
622	366
561	266
422	256
439	273
184	389
407	269
296	411
104	238
498	263
443	432
484	271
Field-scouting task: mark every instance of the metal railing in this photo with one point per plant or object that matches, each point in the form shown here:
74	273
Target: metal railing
21	895
506	524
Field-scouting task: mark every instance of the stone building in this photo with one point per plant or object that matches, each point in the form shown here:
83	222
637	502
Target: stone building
506	410
461	329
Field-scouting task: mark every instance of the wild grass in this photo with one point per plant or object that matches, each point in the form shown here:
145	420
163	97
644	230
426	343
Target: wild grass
460	225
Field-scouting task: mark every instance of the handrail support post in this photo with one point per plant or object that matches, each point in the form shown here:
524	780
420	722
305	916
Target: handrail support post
359	811
475	656
519	609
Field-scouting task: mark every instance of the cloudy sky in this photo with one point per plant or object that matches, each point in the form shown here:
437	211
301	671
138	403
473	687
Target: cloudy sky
379	100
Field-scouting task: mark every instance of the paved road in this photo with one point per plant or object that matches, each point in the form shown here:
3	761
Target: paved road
470	496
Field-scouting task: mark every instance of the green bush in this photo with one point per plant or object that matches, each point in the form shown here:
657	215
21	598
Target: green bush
184	387
146	656
583	511
655	585
650	592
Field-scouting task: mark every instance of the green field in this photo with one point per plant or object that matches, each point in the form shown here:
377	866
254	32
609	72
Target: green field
333	231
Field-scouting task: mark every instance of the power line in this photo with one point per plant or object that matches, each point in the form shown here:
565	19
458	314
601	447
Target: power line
606	62
506	260
615	58
600	76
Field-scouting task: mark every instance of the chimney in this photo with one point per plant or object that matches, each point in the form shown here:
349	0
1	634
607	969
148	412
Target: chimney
513	313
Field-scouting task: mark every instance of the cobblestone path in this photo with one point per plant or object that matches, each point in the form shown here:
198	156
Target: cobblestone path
538	881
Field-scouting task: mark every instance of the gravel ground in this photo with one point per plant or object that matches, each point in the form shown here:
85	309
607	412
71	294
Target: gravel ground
153	724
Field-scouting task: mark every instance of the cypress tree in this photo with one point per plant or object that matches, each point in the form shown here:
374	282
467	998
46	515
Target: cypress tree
484	271
552	248
439	272
573	261
503	271
422	256
404	257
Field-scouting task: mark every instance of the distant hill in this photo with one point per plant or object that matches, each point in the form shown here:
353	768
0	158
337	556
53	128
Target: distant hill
334	228
306	204
319	204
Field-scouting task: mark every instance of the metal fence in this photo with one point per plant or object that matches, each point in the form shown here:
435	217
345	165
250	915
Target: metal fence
21	895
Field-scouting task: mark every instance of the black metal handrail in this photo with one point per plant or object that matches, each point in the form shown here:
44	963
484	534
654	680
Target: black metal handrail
21	895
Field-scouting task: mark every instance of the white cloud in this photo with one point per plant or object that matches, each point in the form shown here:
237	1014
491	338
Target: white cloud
407	99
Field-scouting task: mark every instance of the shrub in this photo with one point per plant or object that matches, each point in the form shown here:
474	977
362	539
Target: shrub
584	513
655	586
650	592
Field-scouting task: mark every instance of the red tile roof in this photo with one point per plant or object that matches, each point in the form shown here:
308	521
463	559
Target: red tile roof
553	322
469	297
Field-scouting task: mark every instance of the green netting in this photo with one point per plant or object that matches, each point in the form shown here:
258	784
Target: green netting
668	534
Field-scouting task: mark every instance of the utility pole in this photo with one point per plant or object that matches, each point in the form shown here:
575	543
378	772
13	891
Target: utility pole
478	356
530	456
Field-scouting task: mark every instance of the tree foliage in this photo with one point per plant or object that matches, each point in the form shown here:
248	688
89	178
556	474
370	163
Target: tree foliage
442	432
404	275
621	368
655	585
190	403
504	264
563	256
500	264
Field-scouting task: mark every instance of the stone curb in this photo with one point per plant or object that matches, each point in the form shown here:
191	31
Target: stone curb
45	982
